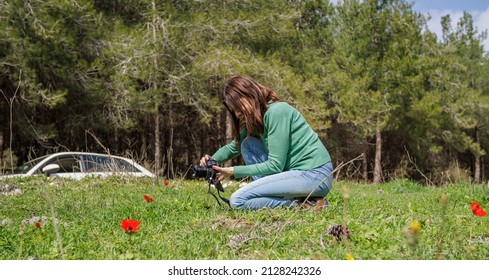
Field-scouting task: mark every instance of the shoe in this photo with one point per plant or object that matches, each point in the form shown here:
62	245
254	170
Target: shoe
314	203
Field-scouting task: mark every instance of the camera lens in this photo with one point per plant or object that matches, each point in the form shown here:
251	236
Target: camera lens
202	172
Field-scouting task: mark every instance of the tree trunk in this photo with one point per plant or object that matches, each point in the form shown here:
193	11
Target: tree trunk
483	168
157	143
169	149
378	157
157	114
477	164
229	132
477	170
365	162
1	151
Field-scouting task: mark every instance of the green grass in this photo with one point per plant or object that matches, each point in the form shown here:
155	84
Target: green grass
82	221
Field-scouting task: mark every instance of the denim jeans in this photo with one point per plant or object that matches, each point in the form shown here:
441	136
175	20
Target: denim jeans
281	189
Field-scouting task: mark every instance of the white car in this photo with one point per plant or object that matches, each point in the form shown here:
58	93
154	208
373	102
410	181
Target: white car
77	165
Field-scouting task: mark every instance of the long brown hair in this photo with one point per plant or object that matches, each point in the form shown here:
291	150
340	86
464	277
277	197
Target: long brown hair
250	98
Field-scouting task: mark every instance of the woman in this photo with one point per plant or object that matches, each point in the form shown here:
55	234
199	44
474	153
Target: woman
283	155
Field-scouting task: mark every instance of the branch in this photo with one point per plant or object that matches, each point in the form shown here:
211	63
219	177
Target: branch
417	168
98	142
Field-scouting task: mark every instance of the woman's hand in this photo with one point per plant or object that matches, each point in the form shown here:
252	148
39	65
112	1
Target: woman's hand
223	172
204	159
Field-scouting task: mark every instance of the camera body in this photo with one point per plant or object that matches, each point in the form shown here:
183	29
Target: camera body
206	171
211	175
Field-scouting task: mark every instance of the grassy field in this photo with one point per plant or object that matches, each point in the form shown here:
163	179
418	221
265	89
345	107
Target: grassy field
65	219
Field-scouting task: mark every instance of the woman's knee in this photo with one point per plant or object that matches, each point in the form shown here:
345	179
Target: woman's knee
253	151
249	142
235	201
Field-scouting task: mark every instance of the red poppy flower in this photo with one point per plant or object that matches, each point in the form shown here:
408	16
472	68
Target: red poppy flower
130	225
478	210
148	199
474	205
38	224
166	183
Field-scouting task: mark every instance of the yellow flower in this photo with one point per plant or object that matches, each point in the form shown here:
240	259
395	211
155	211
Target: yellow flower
415	227
349	257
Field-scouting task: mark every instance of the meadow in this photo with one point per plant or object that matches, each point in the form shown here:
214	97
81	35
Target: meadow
51	219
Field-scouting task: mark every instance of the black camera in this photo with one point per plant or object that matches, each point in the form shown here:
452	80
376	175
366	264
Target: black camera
205	171
211	175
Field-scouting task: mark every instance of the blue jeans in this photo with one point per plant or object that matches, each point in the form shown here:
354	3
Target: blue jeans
281	189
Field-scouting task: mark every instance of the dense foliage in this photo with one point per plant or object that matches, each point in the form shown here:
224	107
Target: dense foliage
141	79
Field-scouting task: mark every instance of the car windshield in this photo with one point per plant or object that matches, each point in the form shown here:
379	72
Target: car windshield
24	168
107	164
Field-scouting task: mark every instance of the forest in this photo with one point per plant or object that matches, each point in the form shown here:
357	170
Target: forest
388	97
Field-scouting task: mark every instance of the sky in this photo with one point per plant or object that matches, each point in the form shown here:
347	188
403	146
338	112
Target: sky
479	9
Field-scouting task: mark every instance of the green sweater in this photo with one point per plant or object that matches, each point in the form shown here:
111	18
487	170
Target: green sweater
289	140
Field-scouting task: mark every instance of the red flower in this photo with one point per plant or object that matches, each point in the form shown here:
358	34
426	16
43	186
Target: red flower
474	205
148	199
130	225
478	210
38	224
166	183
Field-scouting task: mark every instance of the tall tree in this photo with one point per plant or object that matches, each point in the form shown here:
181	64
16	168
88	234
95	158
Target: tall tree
375	50
468	110
47	50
